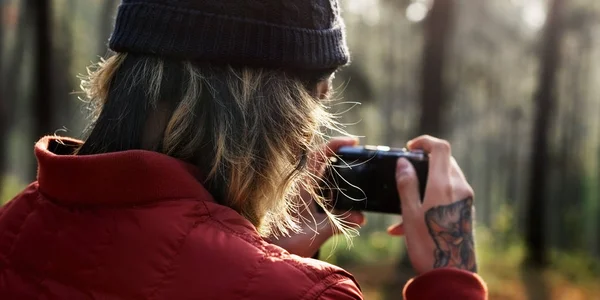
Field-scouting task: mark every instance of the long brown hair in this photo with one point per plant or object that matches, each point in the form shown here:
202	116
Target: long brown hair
249	130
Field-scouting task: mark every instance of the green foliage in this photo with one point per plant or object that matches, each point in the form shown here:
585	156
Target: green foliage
577	266
376	247
498	260
11	186
503	227
500	263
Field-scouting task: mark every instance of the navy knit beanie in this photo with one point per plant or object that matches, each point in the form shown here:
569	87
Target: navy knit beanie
291	34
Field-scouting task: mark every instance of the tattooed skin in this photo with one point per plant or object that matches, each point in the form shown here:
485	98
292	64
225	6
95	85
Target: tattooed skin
451	227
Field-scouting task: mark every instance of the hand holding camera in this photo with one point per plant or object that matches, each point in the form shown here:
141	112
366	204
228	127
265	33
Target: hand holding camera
423	183
438	229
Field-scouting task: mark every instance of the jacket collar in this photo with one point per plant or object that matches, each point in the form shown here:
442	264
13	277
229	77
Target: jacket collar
122	178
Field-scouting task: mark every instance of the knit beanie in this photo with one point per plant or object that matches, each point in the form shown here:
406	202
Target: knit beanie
291	34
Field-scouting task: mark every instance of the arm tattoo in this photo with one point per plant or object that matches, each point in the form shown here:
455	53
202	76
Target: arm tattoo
451	227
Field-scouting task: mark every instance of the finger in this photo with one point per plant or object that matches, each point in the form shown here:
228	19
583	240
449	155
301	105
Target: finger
439	182
429	144
408	186
396	229
318	159
456	170
353	218
462	189
439	153
356	218
338	142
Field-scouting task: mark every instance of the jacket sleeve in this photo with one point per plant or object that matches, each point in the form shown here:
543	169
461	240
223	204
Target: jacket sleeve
446	283
342	290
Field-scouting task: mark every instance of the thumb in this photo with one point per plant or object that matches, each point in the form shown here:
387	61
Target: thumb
408	186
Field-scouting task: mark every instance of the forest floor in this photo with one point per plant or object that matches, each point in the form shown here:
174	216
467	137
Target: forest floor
377	282
374	261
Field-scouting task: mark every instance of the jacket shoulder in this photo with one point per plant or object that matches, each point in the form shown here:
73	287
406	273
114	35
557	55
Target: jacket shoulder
235	262
301	278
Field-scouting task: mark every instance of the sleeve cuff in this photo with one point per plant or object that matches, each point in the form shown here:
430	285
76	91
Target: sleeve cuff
446	283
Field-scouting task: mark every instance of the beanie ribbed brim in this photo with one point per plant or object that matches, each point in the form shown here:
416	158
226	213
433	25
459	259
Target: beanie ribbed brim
149	28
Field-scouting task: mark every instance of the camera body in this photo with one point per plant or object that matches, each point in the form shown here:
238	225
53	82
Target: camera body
364	178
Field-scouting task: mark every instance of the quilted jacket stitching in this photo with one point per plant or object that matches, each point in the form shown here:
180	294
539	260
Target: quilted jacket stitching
170	266
313	276
327	283
34	207
245	292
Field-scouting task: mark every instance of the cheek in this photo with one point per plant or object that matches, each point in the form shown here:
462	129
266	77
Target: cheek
323	89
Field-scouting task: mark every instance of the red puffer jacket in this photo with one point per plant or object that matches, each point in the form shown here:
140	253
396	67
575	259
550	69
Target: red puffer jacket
139	225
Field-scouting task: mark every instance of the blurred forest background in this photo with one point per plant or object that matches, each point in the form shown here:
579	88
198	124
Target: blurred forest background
513	84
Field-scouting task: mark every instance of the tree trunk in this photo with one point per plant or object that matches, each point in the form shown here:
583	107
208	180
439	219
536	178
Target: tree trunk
3	105
438	28
544	104
42	103
11	75
43	81
572	173
437	33
390	95
106	24
61	62
513	157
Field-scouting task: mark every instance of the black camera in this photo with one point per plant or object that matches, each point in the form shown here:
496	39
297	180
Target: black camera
364	178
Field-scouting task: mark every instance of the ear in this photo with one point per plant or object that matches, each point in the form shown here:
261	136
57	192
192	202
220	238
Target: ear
323	88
